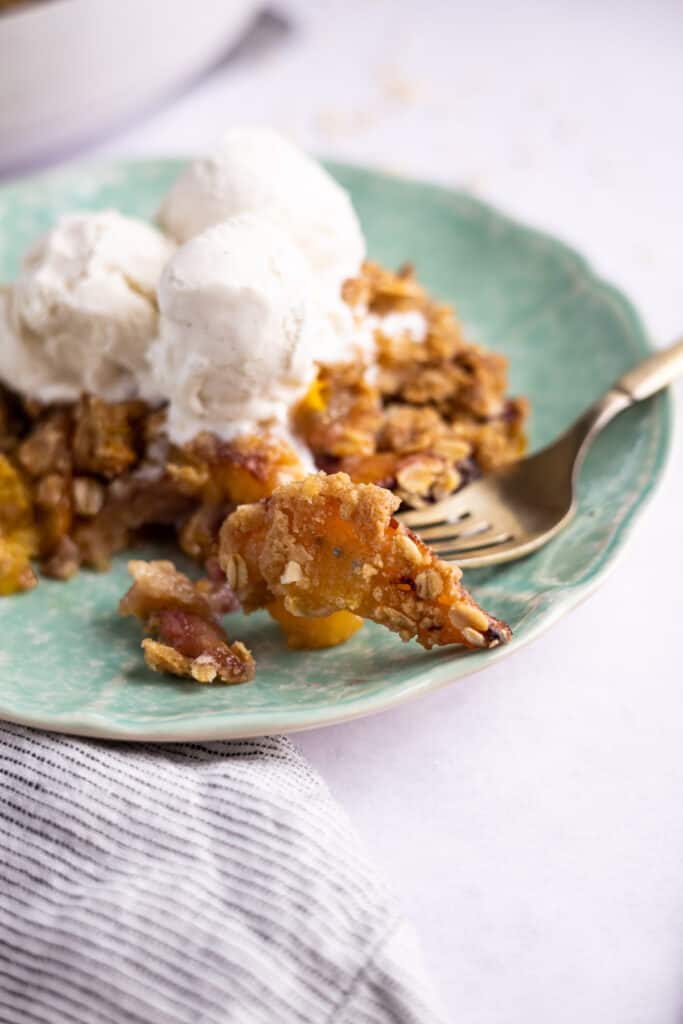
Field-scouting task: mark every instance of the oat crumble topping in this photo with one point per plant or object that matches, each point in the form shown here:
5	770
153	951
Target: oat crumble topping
80	481
184	637
331	530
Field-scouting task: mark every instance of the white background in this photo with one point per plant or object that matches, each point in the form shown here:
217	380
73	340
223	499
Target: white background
531	818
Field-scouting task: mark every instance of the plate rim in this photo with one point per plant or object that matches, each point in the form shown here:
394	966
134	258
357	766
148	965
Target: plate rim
96	725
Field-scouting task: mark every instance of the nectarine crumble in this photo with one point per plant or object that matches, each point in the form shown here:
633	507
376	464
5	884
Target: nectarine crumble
185	636
324	546
80	481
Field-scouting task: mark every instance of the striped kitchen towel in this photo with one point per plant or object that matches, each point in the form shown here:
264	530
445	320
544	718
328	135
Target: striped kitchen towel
190	882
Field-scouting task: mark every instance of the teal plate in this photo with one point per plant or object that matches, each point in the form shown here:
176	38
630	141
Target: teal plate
69	663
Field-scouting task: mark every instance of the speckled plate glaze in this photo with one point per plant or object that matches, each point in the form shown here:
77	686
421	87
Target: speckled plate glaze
69	663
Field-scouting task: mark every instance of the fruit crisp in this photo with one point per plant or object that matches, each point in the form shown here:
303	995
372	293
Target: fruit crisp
191	642
81	481
324	545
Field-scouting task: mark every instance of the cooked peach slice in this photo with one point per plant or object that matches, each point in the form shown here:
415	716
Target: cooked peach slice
341	413
16	573
18	533
191	642
313	634
324	544
243	470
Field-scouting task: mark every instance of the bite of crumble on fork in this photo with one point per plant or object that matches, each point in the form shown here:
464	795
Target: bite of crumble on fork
325	544
184	637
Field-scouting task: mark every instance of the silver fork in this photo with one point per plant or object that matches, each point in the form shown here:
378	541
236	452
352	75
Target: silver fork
520	508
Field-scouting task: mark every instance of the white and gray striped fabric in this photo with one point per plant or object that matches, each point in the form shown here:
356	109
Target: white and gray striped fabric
190	883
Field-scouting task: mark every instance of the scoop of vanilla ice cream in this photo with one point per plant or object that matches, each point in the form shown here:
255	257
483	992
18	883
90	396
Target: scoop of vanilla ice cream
257	170
237	330
83	311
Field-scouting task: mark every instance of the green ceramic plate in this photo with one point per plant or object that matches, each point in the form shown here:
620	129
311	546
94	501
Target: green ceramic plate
68	663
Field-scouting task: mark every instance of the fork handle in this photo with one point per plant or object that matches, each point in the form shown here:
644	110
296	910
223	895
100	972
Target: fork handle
645	379
653	374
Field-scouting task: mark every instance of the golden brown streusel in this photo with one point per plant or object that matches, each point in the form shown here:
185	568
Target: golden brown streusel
325	544
442	398
185	638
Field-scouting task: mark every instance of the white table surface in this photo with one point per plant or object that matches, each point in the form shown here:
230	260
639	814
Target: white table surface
531	817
